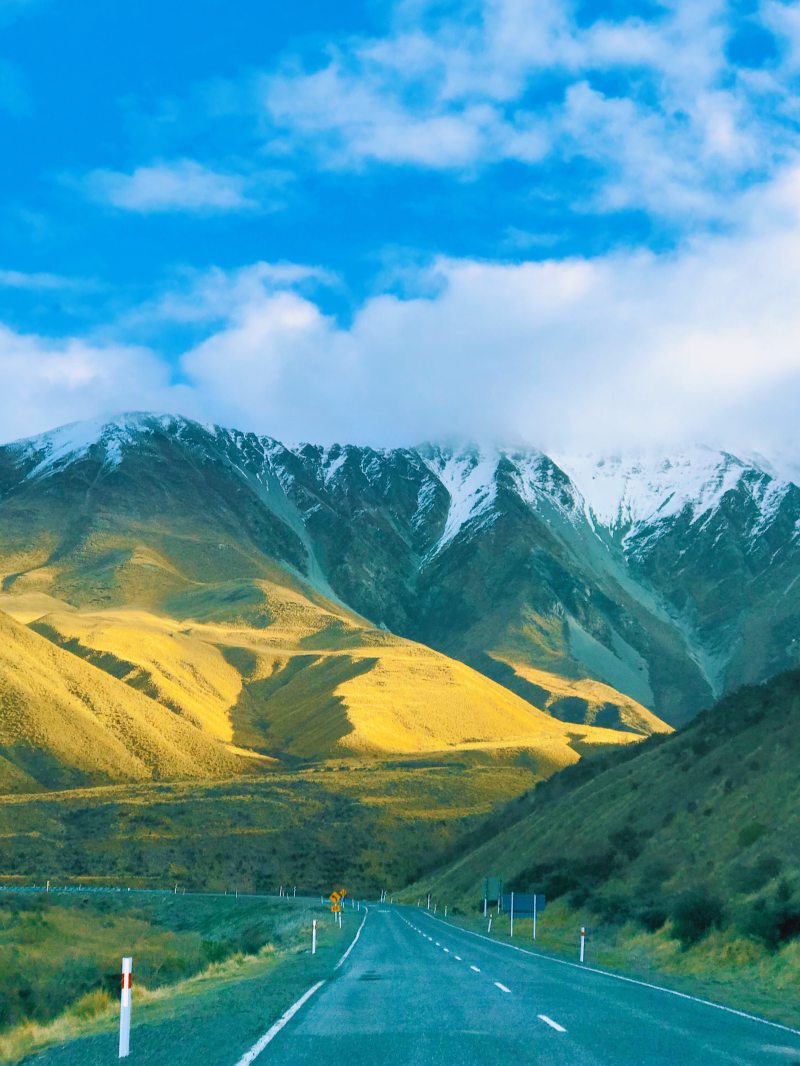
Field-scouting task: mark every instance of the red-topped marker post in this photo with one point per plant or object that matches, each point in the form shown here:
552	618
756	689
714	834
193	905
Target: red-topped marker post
125	1009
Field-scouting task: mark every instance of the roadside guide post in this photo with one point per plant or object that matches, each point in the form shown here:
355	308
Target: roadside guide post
512	915
125	1009
583	942
534	916
314	936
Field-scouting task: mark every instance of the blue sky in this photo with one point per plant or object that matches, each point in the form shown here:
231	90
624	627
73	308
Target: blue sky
569	223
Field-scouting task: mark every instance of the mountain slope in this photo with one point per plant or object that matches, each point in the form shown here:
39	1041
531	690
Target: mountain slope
313	685
710	810
65	722
670	580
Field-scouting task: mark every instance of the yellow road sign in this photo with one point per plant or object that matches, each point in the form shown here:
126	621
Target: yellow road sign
335	907
334	897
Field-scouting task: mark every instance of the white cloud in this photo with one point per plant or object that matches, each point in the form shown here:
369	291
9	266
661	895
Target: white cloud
183	185
627	349
18	279
48	382
657	103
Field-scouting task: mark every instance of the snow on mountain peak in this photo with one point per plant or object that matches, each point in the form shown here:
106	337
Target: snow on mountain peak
468	474
62	446
624	491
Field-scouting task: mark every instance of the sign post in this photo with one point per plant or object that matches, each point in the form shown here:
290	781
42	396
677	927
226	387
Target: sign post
125	1009
492	891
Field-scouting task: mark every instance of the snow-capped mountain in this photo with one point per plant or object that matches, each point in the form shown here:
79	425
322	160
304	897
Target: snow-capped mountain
671	578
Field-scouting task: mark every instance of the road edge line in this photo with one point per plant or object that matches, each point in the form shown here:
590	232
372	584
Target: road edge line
272	1032
355	941
621	977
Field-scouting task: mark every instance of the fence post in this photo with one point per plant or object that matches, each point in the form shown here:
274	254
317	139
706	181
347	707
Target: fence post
125	1008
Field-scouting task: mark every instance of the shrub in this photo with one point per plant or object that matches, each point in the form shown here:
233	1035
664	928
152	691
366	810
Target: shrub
694	913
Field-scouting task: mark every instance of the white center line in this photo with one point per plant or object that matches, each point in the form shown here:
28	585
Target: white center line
553	1025
447	950
475	968
502	987
457	958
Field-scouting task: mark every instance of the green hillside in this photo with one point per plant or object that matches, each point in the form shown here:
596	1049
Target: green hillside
696	830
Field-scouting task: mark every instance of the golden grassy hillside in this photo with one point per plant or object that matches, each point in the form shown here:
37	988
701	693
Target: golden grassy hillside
587	700
290	673
65	720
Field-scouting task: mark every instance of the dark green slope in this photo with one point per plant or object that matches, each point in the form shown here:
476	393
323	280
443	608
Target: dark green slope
699	828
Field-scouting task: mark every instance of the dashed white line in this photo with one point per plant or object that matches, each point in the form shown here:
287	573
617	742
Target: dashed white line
502	987
447	950
457	958
553	1025
629	980
475	968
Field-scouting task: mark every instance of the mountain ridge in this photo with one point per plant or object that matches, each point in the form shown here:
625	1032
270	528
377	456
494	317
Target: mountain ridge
623	571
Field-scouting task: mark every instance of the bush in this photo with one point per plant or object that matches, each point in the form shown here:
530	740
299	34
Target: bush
776	919
695	913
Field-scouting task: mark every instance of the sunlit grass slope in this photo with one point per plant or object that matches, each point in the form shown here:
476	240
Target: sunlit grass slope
586	700
65	721
288	673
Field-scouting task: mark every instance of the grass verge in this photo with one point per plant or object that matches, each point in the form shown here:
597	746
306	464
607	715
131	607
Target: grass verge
263	957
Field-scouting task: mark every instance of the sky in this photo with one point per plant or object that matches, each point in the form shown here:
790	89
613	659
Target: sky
575	225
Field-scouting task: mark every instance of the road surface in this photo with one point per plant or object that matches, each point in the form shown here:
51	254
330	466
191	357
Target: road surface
418	991
415	991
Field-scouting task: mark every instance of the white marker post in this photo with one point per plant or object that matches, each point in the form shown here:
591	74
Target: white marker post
583	942
445	910
314	937
47	888
490	924
294	894
125	1009
512	915
535	899
485	907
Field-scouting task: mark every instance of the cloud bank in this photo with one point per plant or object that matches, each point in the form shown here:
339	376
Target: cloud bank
624	350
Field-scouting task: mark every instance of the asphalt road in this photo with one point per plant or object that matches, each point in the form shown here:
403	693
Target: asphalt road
418	991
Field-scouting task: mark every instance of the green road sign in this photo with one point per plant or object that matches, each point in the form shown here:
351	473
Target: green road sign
492	889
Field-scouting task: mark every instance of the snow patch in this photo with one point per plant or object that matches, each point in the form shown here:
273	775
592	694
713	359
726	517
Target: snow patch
470	480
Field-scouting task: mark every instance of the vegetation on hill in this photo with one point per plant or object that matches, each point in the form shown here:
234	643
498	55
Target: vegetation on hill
680	854
698	829
182	947
372	825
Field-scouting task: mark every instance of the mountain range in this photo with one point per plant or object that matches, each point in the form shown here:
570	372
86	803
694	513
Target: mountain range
572	581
